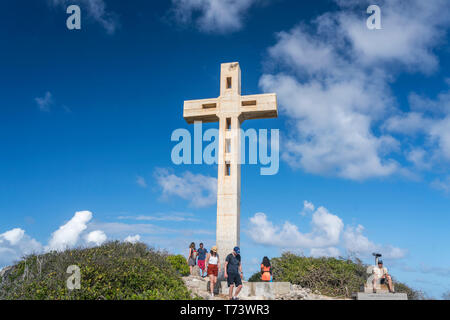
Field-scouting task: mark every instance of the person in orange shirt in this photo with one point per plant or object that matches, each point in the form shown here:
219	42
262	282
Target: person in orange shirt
266	270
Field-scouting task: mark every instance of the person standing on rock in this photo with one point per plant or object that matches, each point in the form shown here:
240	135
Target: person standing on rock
212	267
233	272
191	257
201	254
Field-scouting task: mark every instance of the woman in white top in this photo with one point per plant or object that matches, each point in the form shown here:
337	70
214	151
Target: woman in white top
213	267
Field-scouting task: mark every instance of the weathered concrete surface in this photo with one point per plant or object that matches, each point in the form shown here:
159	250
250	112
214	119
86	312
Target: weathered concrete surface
381	288
380	296
253	290
230	109
261	290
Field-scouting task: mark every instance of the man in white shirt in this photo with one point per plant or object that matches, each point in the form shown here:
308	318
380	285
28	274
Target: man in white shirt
380	274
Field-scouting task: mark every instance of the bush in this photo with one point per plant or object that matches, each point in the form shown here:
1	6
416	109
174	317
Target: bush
330	276
116	271
411	293
256	277
179	263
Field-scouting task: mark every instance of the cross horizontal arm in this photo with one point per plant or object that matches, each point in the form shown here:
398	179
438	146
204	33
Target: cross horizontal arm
259	106
204	110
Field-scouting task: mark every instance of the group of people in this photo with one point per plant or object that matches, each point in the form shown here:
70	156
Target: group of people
209	262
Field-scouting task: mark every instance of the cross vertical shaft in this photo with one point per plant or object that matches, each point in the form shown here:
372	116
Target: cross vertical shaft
230	109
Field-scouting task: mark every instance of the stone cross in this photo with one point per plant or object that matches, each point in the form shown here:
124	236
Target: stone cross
230	109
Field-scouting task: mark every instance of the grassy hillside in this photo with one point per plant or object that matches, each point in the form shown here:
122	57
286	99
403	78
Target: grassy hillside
330	276
112	271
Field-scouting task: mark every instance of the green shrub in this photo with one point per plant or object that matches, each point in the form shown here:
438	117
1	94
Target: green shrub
116	271
256	277
330	276
411	293
179	263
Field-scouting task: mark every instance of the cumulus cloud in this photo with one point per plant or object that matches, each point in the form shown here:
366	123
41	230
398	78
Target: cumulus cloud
333	83
68	234
325	231
133	239
198	189
44	103
14	244
410	31
307	207
428	120
356	242
219	16
96	10
96	237
327	236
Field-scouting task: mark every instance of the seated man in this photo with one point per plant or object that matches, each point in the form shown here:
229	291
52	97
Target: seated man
380	274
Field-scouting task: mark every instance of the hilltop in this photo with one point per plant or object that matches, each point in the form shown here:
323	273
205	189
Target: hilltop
124	271
113	271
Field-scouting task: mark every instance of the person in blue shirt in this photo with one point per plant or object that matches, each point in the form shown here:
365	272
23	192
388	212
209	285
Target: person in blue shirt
201	257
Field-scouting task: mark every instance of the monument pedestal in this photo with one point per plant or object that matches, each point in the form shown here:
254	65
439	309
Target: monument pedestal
382	293
379	296
260	290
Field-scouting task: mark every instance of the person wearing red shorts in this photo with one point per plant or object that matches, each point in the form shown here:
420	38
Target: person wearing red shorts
213	267
201	257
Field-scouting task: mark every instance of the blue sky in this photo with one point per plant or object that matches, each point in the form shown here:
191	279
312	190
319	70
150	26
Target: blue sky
364	118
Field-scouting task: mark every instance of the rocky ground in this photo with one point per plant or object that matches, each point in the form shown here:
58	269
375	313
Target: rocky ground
198	287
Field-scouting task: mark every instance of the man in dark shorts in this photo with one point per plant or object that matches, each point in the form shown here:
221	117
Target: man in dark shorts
233	272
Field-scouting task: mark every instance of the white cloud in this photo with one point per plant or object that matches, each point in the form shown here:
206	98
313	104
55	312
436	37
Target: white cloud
410	30
96	237
133	239
199	190
326	238
219	16
325	231
333	80
442	184
13	236
68	234
141	181
428	119
44	103
14	244
96	10
307	207
356	242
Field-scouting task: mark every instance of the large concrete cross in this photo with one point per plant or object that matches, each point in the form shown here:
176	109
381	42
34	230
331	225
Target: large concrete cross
230	109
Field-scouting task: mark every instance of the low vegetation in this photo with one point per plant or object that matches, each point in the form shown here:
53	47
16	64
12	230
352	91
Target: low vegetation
329	276
116	271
